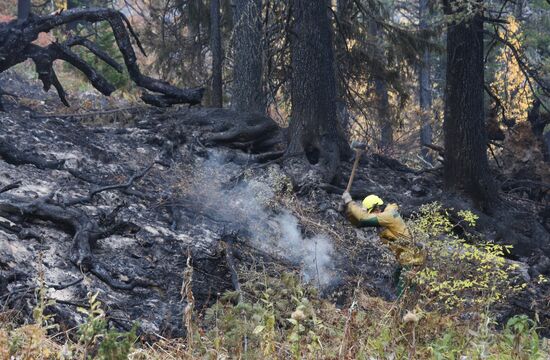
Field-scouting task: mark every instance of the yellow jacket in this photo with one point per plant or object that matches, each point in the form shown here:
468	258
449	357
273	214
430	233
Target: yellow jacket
393	232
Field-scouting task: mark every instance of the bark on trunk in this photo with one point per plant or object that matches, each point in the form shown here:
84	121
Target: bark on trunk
23	10
466	166
425	91
216	46
382	102
384	117
314	130
343	10
248	94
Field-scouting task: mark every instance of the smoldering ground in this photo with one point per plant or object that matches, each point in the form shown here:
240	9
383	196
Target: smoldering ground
249	206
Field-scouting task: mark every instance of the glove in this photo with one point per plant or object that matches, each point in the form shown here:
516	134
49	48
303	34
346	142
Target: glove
346	198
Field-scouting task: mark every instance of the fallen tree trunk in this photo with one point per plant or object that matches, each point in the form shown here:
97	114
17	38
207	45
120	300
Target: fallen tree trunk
16	46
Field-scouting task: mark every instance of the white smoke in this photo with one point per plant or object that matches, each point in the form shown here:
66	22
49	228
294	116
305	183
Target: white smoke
245	205
315	253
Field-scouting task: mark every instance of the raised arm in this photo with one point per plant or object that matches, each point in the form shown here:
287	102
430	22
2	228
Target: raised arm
360	217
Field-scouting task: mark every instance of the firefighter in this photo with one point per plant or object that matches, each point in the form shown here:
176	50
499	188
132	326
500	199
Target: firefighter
393	231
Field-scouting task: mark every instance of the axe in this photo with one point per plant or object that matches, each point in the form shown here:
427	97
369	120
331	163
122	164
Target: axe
357	147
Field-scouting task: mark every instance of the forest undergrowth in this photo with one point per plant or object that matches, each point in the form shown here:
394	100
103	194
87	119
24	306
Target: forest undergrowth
445	312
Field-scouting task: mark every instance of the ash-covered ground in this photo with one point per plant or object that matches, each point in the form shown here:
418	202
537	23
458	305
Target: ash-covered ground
117	207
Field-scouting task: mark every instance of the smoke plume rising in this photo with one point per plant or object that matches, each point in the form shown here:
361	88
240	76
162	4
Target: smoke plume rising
248	206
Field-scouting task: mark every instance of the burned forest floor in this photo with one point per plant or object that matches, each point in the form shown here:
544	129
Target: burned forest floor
174	220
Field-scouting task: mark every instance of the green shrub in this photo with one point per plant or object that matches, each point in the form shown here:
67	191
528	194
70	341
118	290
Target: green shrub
459	276
95	338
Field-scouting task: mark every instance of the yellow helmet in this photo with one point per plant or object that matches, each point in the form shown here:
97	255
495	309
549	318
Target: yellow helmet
371	201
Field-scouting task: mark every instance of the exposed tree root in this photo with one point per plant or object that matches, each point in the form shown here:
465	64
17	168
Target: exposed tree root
85	230
252	133
253	137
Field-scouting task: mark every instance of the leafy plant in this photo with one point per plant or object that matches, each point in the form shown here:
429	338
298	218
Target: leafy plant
459	276
96	339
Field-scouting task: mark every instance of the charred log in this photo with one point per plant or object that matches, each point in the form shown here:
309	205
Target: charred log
14	156
16	46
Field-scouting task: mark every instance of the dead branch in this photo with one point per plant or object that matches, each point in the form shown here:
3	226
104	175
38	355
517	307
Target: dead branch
507	185
11	186
228	240
87	178
122	186
16	46
64	286
530	74
440	150
14	156
5	93
434	169
90	114
94	49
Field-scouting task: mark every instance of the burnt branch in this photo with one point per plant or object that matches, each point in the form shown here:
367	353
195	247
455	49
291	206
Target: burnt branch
16	46
11	186
14	156
123	186
64	286
131	109
498	103
94	49
228	240
5	93
87	178
104	275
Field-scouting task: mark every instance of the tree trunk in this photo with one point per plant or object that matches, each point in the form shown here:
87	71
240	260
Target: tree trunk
425	91
23	9
314	130
248	94
343	12
216	46
466	166
227	14
381	91
197	19
384	117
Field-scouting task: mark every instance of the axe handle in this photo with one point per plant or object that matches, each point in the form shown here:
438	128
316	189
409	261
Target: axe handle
354	169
